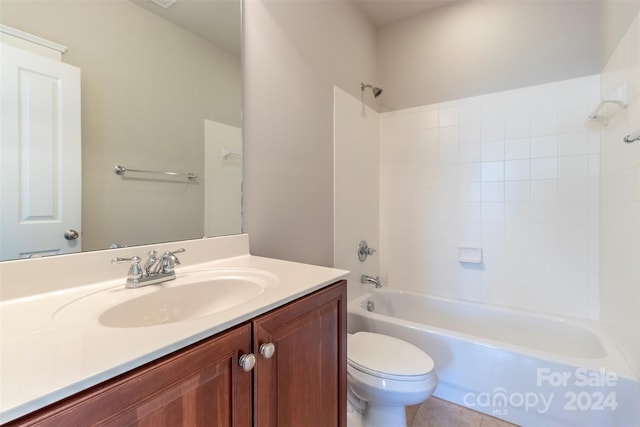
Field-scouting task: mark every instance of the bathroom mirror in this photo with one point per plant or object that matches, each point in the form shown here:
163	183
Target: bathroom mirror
161	92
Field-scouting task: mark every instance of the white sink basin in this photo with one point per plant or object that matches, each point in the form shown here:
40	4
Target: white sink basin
189	296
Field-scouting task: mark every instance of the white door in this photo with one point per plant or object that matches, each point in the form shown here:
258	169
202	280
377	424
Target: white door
40	157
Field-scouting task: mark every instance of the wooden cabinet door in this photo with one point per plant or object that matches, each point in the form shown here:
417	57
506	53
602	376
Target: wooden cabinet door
304	382
201	385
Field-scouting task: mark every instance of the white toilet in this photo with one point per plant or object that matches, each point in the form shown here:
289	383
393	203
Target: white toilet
385	374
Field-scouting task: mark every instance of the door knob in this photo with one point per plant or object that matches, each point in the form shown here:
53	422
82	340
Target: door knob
71	234
267	349
247	362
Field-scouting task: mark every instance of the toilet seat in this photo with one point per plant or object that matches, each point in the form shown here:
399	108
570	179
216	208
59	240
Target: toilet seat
387	357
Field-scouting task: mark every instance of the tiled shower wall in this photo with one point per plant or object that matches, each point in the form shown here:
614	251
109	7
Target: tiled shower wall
620	202
515	173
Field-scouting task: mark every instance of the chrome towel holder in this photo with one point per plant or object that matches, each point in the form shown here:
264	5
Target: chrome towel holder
618	96
596	113
635	136
121	170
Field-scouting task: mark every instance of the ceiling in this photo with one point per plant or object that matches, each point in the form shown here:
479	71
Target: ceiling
218	21
385	12
215	21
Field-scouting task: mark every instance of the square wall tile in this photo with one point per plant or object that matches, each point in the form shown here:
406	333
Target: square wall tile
544	146
544	190
448	135
546	168
544	98
517	212
469	110
493	191
544	212
573	94
573	120
469	192
492	130
516	125
448	114
573	190
429	117
492	212
471	172
573	144
516	170
492	151
544	124
517	191
573	167
470	153
470	133
448	153
516	149
492	171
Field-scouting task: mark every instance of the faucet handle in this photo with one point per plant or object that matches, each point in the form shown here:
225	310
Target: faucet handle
133	259
169	260
135	271
364	250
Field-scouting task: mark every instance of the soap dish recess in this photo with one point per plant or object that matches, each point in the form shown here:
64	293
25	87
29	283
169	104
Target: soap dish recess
469	254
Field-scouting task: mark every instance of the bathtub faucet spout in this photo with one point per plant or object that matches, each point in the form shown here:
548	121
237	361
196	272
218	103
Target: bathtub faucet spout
368	279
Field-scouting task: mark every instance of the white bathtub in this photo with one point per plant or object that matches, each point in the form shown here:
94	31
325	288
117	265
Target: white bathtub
530	369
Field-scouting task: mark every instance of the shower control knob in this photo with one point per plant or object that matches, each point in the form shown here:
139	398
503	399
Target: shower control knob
267	350
247	362
364	250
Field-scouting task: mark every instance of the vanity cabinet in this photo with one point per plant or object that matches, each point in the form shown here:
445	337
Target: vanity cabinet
200	385
299	378
304	382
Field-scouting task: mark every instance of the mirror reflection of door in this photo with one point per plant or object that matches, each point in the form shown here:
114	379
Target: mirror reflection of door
40	155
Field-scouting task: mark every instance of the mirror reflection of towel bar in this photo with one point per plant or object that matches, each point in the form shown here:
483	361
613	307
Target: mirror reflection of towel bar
121	170
225	153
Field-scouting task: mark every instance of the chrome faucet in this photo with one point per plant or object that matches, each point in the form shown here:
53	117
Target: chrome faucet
155	270
368	279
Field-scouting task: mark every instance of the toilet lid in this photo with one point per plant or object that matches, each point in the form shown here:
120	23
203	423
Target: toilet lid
382	355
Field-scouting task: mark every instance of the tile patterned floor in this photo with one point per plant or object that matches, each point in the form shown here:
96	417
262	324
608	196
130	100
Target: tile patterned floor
440	413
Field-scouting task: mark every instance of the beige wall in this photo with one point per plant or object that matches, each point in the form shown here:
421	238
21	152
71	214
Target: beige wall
479	47
620	202
357	189
295	51
615	18
147	87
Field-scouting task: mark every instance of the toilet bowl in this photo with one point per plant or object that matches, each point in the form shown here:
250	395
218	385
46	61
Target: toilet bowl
385	374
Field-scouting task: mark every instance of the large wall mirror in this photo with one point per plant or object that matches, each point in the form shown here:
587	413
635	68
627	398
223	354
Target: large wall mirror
160	92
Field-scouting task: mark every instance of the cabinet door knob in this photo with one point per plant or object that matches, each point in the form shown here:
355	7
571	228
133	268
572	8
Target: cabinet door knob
267	350
247	362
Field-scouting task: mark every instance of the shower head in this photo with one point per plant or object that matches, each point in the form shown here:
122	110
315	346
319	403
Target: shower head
376	90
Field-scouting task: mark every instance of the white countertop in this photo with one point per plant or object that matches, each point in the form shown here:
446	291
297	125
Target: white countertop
43	360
